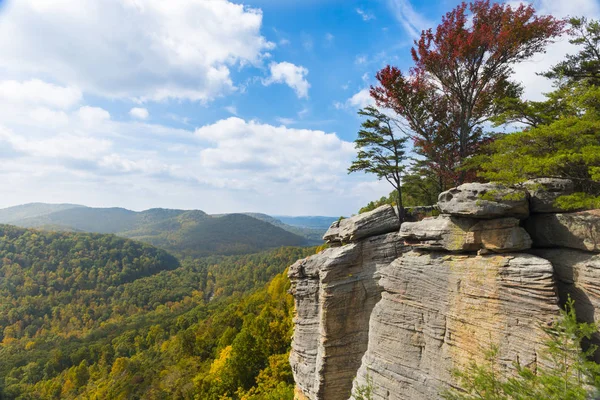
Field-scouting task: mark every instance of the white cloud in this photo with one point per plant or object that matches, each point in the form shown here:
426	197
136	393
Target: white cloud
286	121
67	146
526	72
360	99
292	75
143	49
412	22
92	116
139	113
231	110
366	16
84	156
261	152
36	92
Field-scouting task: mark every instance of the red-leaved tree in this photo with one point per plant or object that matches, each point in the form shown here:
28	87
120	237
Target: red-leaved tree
460	72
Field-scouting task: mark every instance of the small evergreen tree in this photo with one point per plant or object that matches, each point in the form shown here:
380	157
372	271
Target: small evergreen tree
381	151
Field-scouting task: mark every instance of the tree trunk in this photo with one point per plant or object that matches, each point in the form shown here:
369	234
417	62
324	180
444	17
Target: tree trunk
401	213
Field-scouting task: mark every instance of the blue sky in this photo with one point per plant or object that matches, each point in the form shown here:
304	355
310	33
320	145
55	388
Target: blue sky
208	104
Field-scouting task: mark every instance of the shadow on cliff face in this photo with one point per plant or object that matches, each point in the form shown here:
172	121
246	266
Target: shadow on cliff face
571	230
584	308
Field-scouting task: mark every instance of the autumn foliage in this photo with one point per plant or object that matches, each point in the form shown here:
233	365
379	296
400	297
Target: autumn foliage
461	69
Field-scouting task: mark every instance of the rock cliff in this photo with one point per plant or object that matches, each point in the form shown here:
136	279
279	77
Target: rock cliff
400	307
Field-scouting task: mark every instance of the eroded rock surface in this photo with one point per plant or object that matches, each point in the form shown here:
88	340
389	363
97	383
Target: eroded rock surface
439	311
379	221
579	230
484	200
544	192
335	292
440	306
465	234
578	276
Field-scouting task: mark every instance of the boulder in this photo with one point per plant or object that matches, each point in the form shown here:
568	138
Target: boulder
458	234
335	292
578	230
543	193
501	235
440	311
484	200
441	233
379	221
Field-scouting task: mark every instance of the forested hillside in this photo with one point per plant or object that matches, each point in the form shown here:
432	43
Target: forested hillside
186	233
98	316
193	234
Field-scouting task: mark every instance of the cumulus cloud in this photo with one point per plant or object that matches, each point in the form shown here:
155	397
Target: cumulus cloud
526	72
139	113
361	99
92	116
261	150
37	92
142	49
97	160
292	75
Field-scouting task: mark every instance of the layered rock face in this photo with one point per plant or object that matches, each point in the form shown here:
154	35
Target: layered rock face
440	311
335	292
399	309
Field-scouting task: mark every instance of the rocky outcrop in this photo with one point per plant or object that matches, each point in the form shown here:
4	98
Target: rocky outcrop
484	200
439	311
399	308
335	292
579	230
381	220
466	234
544	192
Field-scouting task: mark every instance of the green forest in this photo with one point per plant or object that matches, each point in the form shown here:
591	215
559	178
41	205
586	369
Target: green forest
98	316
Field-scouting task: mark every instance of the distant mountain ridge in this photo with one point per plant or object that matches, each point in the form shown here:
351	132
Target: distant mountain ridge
185	232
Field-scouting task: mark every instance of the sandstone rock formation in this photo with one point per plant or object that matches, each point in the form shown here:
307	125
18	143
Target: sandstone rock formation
544	192
335	292
484	200
450	286
579	230
466	234
439	311
376	222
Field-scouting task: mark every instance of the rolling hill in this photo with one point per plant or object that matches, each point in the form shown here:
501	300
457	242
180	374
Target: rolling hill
186	233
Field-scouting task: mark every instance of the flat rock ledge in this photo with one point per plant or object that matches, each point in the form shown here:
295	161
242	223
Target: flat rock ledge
578	230
457	234
377	222
484	200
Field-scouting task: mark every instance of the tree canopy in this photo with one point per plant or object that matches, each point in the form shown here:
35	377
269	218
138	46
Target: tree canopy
461	69
562	134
